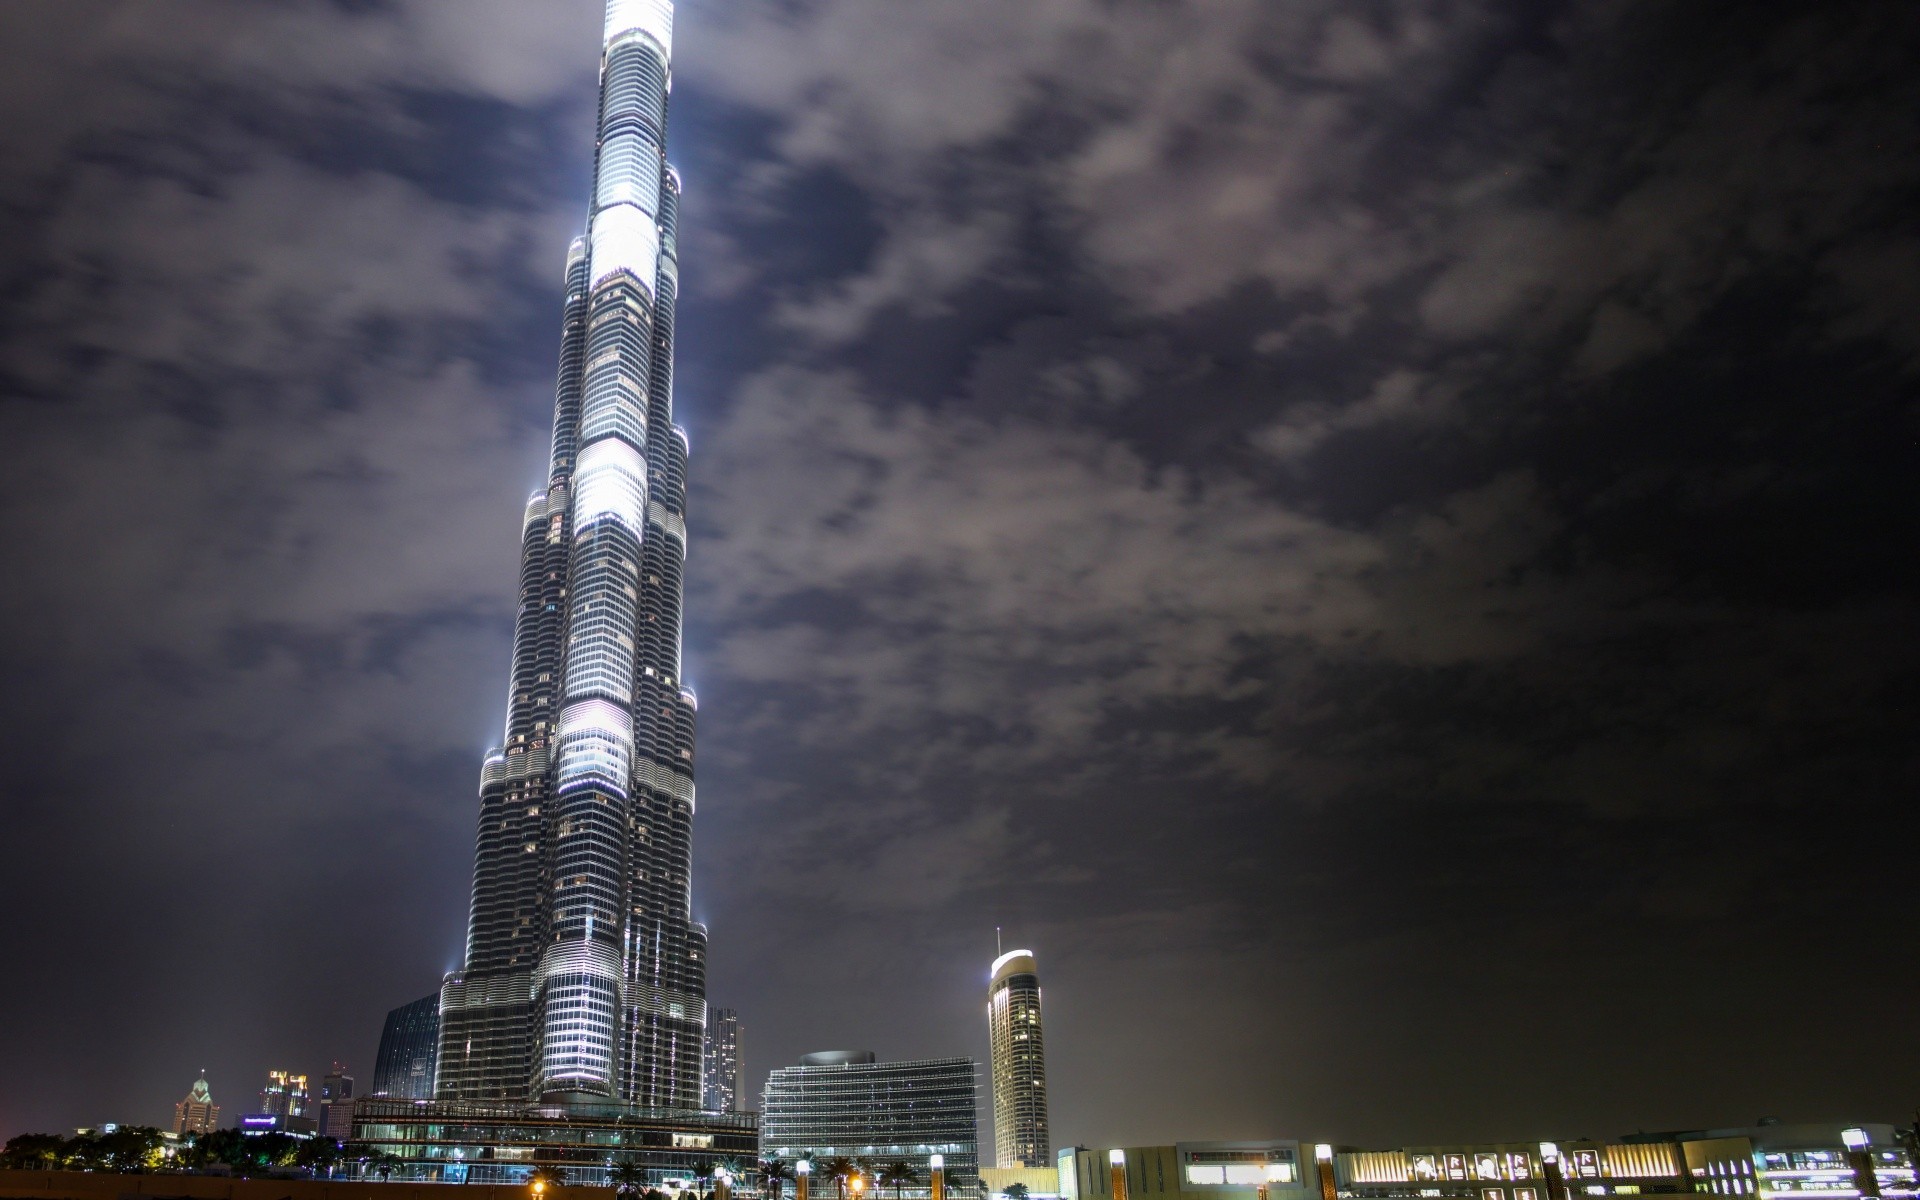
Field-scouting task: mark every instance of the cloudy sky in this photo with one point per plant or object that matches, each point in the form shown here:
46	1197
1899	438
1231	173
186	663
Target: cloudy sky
1376	535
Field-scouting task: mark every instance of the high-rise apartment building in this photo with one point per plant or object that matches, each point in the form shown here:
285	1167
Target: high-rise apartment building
285	1095
1020	1137
409	1043
843	1103
585	977
722	1061
197	1113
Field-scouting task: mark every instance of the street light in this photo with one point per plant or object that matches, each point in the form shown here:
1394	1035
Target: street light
1117	1171
938	1168
802	1174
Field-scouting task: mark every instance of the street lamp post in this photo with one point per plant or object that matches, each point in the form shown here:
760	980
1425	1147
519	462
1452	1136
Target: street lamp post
1117	1172
938	1180
802	1174
1323	1166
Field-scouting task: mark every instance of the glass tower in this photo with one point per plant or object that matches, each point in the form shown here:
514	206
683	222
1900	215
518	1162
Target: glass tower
584	978
404	1066
1020	1135
723	1060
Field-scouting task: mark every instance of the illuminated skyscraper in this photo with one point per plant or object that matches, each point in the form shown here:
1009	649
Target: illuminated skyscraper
285	1095
197	1113
585	976
723	1061
1020	1136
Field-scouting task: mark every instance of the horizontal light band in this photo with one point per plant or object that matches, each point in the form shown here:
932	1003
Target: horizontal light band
625	239
610	479
597	716
651	17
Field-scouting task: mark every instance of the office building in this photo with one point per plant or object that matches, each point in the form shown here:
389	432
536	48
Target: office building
334	1115
845	1103
197	1113
722	1061
584	979
409	1043
1020	1137
284	1096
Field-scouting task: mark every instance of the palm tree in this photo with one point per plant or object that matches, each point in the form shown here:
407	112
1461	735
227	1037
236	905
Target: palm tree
773	1172
1015	1191
896	1175
840	1169
383	1165
626	1177
550	1176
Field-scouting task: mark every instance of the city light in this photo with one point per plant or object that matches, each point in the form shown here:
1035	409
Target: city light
1117	1158
1322	1152
1855	1139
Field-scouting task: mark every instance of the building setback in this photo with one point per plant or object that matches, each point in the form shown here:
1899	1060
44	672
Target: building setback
1020	1135
409	1044
843	1103
584	980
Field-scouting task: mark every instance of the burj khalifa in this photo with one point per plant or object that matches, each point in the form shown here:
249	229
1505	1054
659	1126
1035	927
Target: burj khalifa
584	981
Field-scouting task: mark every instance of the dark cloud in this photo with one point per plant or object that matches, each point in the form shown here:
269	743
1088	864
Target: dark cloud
1375	537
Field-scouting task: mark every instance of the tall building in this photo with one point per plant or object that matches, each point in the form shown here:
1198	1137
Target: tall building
585	977
722	1061
409	1043
197	1113
336	1103
284	1096
844	1103
1020	1137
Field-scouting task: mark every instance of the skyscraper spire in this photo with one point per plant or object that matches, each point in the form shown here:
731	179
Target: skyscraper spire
585	975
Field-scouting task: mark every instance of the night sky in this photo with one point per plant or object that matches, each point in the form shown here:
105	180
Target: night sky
1377	536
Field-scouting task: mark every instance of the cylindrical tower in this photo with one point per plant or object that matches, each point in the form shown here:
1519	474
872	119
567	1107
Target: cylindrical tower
1020	1136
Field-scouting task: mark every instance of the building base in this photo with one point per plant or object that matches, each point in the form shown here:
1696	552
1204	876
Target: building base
454	1141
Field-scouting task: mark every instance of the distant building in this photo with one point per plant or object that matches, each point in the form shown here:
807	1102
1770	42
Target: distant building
1040	1184
1767	1162
335	1119
408	1047
1020	1136
197	1113
722	1067
844	1103
285	1095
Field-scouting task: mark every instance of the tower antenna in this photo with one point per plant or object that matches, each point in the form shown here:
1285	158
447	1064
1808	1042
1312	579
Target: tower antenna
997	951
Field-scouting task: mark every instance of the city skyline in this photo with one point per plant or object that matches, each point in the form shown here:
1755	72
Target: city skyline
1393	523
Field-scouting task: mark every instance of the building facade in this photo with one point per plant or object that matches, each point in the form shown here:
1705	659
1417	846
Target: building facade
1770	1162
197	1113
584	979
465	1142
1020	1135
409	1044
722	1061
844	1103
